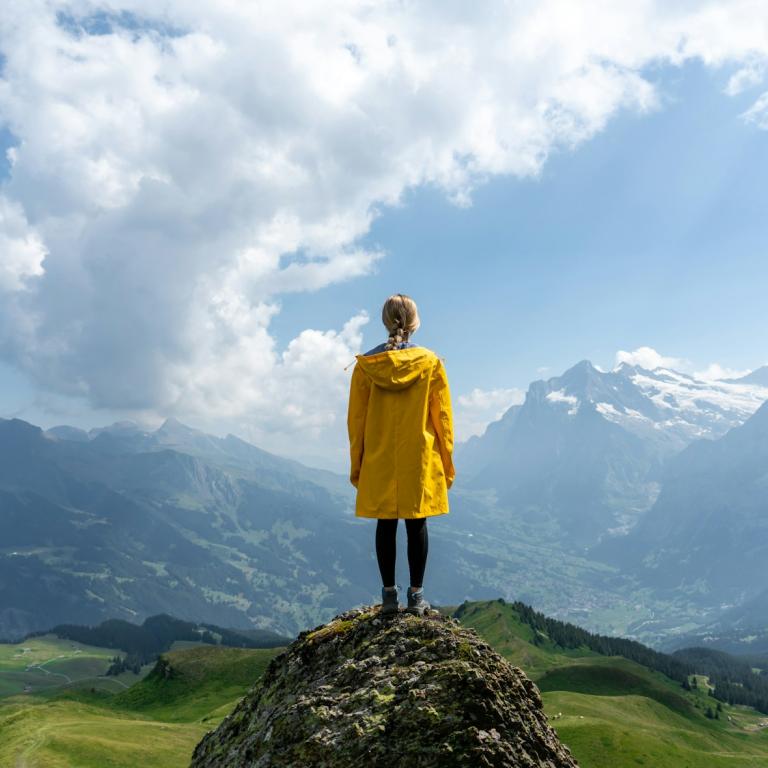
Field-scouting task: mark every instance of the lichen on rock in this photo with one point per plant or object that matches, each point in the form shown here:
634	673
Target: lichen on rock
387	691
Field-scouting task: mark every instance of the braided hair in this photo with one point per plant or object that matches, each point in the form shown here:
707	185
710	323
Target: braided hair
401	318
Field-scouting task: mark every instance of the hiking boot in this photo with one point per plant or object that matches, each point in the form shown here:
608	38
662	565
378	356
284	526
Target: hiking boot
389	602
416	602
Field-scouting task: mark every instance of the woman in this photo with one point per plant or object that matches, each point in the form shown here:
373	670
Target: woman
401	445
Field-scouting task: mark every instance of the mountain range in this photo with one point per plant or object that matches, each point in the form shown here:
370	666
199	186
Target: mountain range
586	450
628	500
123	523
658	474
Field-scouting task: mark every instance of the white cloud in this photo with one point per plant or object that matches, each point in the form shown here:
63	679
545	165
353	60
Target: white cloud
716	372
748	76
476	410
184	171
758	112
650	359
21	250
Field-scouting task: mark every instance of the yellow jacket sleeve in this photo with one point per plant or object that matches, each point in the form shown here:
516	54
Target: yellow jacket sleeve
359	391
442	418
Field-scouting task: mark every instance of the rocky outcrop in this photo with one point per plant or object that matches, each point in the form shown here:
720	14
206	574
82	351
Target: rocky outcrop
375	691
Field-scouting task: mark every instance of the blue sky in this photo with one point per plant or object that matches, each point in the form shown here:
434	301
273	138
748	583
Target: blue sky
186	219
652	233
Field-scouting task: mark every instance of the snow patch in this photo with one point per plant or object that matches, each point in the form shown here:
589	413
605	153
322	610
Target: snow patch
607	410
686	394
559	396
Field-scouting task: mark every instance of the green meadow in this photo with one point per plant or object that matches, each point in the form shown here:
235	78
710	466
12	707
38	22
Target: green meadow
64	734
615	713
610	711
45	664
155	722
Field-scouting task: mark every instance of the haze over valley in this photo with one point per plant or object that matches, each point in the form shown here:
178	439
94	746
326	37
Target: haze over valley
585	500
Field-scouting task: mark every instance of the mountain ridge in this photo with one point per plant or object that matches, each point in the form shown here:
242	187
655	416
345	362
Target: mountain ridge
113	529
595	441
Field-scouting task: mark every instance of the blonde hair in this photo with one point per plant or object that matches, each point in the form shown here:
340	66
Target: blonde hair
401	318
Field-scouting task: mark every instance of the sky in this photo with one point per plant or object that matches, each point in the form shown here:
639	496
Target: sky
203	206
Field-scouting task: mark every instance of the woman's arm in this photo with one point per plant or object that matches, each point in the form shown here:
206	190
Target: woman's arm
442	418
359	391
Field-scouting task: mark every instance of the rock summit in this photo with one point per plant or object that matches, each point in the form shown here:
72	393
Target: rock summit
383	692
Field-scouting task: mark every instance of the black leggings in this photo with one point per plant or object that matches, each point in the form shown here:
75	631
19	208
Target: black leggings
386	549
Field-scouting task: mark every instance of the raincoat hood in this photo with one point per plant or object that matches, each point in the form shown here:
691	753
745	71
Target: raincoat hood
398	368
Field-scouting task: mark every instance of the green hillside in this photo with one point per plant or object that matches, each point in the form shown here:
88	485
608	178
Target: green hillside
156	722
195	683
48	663
616	713
71	734
609	710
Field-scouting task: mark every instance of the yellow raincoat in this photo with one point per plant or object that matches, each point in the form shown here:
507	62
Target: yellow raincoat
400	434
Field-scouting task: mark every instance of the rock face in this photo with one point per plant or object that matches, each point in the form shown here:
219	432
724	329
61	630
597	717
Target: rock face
379	691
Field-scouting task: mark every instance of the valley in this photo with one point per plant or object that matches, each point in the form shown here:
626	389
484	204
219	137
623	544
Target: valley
554	505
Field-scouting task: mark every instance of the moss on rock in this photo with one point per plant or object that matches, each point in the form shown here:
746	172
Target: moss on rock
397	690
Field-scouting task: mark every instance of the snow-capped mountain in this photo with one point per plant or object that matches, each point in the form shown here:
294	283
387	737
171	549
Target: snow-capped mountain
585	449
679	406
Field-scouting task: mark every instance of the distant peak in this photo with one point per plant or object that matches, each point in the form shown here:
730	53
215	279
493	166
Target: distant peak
116	428
626	368
20	426
758	376
173	424
66	432
583	368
